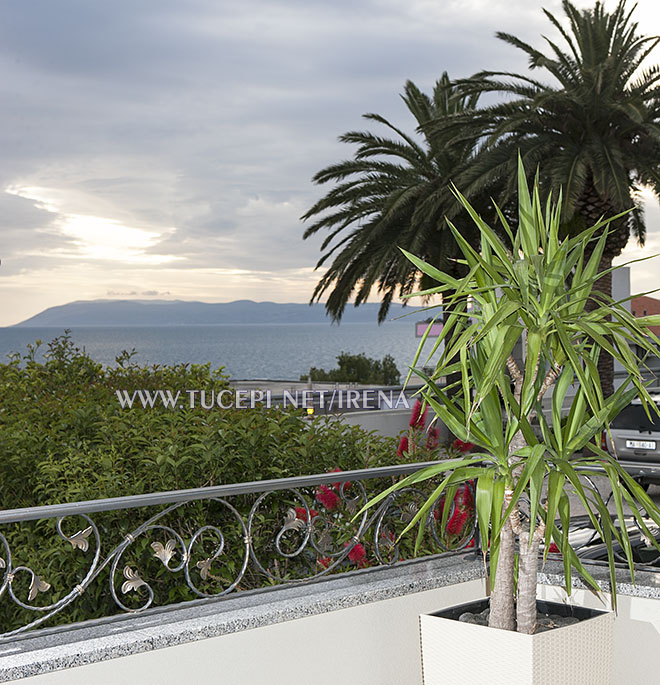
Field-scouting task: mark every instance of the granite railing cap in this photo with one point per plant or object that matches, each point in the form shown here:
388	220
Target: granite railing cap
63	647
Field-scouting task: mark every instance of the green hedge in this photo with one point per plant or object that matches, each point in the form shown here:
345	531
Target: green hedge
64	437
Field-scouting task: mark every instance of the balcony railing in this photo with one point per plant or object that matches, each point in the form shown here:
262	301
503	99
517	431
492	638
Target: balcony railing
69	562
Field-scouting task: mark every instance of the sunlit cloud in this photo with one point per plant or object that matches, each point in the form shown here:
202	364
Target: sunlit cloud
95	237
100	238
644	274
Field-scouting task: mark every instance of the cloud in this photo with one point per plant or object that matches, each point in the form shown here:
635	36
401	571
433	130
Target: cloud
173	143
644	275
93	237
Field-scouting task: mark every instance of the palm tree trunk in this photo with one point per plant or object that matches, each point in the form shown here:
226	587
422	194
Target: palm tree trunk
605	361
591	207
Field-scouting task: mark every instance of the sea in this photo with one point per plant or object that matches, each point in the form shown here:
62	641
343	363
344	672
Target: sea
246	351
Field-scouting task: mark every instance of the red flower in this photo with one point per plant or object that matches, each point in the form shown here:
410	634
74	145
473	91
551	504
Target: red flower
418	417
470	544
403	446
463	498
301	513
324	561
456	522
357	555
462	446
327	497
433	438
553	549
463	509
337	485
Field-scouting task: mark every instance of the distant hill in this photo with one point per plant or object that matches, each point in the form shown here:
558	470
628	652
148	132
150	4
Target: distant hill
180	313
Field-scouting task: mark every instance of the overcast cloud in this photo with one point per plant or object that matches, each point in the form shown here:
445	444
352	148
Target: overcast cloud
165	149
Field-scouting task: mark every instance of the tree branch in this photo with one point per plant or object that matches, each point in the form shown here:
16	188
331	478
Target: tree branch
539	533
514	516
549	379
516	377
513	369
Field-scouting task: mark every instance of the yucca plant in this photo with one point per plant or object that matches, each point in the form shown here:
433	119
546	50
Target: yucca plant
533	297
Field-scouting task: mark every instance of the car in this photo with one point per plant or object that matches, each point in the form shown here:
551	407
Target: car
635	441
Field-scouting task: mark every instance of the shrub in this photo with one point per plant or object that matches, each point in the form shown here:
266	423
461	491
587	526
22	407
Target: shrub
358	368
64	437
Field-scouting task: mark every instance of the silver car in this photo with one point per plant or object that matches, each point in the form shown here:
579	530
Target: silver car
636	442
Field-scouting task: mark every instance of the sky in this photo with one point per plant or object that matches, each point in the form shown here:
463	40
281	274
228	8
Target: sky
164	149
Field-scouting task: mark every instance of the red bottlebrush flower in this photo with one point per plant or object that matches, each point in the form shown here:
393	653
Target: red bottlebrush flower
301	513
324	561
463	509
327	497
337	485
463	498
357	555
403	446
553	549
470	544
433	438
462	446
456	522
418	417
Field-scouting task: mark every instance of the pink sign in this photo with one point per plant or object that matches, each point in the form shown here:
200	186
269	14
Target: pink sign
421	326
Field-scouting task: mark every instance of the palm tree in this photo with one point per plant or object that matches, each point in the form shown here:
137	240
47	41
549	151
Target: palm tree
393	193
595	133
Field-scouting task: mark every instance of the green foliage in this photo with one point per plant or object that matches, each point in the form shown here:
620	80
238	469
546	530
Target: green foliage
535	295
358	368
64	437
585	117
591	126
393	192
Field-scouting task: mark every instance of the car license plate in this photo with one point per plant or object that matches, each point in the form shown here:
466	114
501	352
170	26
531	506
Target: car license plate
641	444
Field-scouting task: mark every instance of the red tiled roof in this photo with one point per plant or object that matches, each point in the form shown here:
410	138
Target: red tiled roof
645	306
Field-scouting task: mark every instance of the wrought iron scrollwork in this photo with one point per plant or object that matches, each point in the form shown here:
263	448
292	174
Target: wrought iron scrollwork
287	536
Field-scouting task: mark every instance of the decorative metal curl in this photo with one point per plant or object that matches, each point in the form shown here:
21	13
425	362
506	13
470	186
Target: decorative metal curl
397	509
316	532
204	566
5	564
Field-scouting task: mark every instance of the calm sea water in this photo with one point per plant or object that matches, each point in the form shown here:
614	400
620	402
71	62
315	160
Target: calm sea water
247	351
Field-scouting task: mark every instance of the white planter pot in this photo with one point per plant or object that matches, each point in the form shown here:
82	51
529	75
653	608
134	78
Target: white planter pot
578	654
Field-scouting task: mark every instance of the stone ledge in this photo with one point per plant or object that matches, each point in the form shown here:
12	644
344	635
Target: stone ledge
85	643
68	646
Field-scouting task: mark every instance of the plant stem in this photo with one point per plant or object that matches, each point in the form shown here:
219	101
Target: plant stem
527	577
502	597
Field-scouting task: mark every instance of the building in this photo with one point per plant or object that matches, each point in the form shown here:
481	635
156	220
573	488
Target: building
646	306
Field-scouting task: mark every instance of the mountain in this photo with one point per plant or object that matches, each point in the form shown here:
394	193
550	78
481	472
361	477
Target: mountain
181	313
